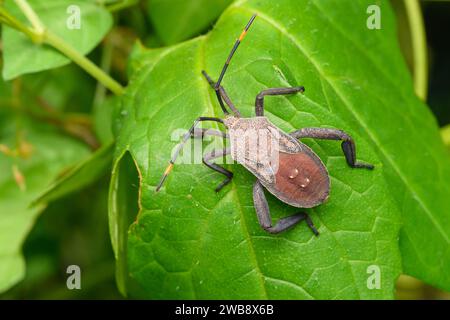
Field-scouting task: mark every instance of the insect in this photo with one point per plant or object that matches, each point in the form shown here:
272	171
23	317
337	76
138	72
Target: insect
287	168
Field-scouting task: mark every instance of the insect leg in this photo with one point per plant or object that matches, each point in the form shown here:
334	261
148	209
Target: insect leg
200	133
223	94
259	103
265	220
186	137
214	155
348	145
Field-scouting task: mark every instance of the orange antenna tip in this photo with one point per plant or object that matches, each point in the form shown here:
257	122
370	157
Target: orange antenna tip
233	50
163	178
168	169
242	35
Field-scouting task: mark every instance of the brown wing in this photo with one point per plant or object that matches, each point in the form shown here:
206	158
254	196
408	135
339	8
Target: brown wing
301	180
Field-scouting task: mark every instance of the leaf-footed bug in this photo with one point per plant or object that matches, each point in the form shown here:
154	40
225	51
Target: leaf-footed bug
282	164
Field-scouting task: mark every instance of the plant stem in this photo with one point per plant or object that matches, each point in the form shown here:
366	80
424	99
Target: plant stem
121	5
105	65
31	16
40	34
59	44
11	21
418	40
445	133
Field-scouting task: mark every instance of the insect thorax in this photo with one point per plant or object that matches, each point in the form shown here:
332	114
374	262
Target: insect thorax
256	144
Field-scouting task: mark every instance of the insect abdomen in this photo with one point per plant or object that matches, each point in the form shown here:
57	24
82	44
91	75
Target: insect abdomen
301	180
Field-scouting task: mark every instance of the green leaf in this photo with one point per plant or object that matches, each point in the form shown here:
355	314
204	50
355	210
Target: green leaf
102	118
84	174
189	242
22	56
122	206
177	20
23	179
59	89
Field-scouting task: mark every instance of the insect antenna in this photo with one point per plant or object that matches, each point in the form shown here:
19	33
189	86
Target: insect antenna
180	146
227	63
173	159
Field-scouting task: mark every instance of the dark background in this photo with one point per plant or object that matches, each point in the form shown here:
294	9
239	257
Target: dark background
437	24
